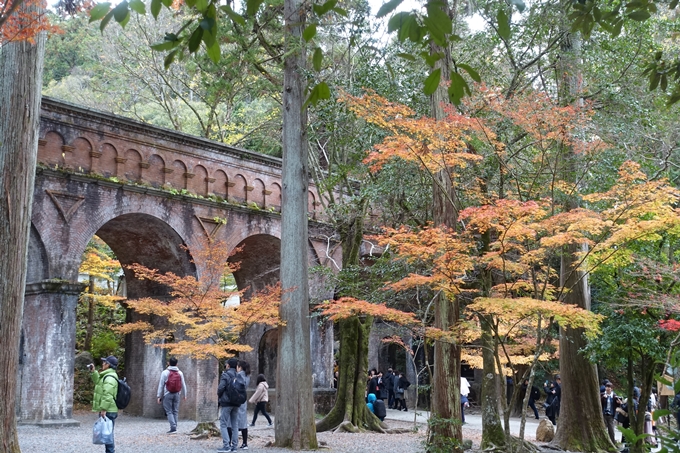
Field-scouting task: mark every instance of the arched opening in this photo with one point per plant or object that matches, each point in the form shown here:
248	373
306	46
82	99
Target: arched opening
149	241
267	356
259	261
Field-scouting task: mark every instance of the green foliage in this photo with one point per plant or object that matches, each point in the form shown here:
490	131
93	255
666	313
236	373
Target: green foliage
613	17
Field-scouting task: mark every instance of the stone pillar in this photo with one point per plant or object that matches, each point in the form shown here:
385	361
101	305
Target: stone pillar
47	355
321	339
143	367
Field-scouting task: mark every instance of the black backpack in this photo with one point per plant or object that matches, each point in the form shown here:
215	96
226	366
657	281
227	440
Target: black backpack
236	391
124	393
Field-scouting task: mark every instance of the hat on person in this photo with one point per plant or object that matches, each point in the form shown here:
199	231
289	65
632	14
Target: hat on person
557	377
111	360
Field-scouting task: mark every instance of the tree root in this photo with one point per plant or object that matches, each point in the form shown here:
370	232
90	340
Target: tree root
346	427
205	430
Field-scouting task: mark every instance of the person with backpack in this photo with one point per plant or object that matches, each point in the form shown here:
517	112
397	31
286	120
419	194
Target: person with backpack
231	393
105	392
243	409
170	388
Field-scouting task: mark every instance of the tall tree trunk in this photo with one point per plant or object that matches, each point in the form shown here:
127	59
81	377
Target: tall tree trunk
294	402
21	64
492	429
446	427
350	412
580	388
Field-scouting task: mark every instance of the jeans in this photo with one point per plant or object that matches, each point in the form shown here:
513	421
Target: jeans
261	407
229	419
111	448
171	408
390	398
532	404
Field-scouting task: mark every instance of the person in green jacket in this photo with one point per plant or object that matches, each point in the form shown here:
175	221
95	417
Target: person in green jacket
105	390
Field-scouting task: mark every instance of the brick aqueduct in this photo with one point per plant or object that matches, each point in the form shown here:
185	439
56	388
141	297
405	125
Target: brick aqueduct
146	192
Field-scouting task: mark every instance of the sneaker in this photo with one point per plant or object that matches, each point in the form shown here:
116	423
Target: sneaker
172	431
224	450
271	424
252	424
243	447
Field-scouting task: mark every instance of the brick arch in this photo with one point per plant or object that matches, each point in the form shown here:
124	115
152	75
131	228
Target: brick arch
145	239
267	355
79	158
260	261
38	260
155	174
274	198
51	152
219	186
198	184
177	178
107	164
133	171
238	190
257	195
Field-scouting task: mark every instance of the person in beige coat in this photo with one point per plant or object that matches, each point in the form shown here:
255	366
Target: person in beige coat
260	399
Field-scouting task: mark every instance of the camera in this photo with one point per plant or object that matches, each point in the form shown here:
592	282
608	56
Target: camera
90	366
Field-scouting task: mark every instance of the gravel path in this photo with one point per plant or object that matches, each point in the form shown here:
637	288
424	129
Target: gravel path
143	435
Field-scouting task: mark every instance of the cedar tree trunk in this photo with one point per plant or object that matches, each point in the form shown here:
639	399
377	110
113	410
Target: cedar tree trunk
446	429
580	388
294	398
21	65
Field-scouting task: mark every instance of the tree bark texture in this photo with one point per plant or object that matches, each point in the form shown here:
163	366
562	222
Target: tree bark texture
350	412
445	429
580	387
294	402
492	429
21	65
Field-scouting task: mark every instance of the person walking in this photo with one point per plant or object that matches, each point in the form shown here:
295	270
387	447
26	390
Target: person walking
228	409
243	409
610	402
388	379
260	398
170	388
534	395
105	391
464	401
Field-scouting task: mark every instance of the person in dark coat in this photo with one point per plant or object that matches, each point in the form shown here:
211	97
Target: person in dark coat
372	382
534	395
402	385
382	387
551	403
388	381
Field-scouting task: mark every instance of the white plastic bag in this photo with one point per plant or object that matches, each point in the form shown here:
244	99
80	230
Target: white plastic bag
102	432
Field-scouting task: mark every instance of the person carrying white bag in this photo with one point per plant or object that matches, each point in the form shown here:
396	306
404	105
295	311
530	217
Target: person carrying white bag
104	400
